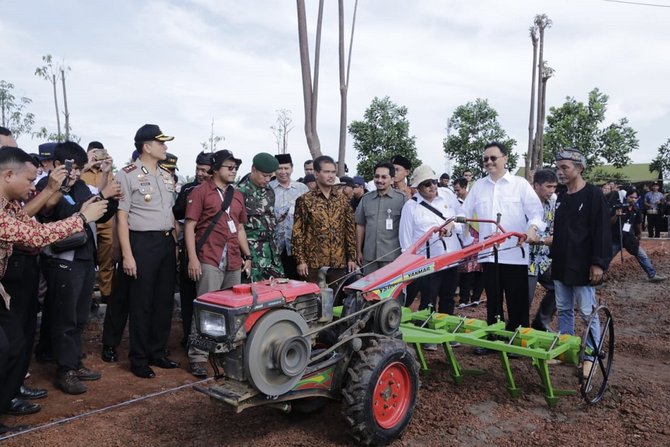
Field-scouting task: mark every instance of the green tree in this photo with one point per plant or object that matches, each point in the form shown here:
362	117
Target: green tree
383	133
12	108
662	161
469	129
575	124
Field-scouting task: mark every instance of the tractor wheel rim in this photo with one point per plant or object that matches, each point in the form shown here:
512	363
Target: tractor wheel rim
392	395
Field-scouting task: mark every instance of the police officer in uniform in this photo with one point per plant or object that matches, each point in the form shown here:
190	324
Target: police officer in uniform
147	242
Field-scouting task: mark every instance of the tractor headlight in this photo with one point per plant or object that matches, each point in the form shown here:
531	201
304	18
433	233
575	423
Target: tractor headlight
212	324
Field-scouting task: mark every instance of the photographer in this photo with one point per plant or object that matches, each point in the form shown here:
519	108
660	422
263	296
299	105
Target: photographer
69	268
98	173
626	229
18	173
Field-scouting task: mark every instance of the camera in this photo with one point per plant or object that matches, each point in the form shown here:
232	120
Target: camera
68	166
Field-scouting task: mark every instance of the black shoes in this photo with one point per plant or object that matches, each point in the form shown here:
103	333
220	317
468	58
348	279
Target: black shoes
31	393
69	383
20	407
484	351
199	369
83	373
165	363
143	371
109	354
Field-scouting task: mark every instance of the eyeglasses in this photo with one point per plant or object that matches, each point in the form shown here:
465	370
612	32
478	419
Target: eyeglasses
231	167
493	158
428	183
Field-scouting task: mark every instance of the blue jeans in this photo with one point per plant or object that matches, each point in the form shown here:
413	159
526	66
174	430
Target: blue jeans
585	299
641	257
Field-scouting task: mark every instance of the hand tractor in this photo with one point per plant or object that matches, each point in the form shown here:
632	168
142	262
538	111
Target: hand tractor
283	343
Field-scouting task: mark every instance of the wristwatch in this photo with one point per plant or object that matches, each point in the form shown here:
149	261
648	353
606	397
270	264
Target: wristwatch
246	257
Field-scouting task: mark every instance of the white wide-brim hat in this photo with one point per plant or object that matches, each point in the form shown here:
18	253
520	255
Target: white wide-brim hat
421	174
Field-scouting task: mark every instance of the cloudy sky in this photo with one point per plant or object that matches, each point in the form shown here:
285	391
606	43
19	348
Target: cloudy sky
181	63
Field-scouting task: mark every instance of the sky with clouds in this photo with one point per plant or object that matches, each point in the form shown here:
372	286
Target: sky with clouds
181	64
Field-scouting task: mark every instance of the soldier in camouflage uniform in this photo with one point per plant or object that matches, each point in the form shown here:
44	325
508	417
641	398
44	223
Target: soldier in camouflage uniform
259	200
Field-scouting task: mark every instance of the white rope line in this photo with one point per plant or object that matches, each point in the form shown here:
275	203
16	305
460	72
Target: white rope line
101	410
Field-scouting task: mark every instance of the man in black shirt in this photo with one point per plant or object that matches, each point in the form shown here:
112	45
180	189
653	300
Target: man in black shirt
582	246
70	272
626	229
187	287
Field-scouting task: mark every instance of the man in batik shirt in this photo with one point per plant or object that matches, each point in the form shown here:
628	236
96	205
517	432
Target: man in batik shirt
324	230
539	269
259	200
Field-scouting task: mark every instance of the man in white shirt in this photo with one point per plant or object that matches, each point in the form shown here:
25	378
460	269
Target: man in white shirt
428	208
520	210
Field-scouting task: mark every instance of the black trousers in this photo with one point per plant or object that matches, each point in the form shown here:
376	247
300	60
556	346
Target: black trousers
440	285
12	347
654	224
470	286
290	267
151	294
116	315
21	281
70	288
509	284
547	309
187	293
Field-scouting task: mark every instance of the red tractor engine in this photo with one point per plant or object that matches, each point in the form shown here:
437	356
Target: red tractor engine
259	330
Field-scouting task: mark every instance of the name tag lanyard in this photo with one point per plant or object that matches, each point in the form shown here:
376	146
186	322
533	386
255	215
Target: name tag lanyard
231	224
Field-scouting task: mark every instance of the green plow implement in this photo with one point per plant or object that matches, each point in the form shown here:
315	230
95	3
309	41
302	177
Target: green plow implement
426	327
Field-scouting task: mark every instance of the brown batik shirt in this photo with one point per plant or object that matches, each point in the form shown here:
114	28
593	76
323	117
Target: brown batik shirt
324	230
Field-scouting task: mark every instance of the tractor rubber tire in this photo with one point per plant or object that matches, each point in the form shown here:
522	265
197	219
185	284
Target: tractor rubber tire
381	392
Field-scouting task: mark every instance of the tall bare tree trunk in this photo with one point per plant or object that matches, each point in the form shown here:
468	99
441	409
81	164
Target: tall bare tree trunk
66	112
531	120
344	83
53	83
309	89
541	23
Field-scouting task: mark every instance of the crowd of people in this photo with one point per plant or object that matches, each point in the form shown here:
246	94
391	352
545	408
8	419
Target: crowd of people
65	216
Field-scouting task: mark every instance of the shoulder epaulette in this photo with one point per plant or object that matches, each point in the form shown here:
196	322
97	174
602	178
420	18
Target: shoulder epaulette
130	168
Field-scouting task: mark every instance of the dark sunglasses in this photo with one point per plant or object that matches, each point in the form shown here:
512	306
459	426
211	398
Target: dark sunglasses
428	183
493	158
231	168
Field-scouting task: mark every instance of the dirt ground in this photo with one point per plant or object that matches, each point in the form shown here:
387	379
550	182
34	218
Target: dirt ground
122	410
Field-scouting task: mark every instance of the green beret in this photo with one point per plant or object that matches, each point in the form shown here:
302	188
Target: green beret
265	162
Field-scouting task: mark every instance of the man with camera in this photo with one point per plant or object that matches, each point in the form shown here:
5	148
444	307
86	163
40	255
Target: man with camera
18	173
98	174
626	230
69	268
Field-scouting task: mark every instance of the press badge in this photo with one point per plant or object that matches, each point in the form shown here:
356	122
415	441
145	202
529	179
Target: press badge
626	227
389	221
232	227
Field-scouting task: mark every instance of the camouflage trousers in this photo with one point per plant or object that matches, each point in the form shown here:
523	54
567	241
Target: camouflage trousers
265	261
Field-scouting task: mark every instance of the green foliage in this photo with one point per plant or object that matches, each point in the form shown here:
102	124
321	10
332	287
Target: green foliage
469	129
383	133
45	135
575	124
662	161
599	176
12	111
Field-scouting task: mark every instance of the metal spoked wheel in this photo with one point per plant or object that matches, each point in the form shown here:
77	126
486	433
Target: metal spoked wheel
598	348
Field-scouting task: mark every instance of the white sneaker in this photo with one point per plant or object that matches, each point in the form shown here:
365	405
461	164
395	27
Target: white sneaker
430	346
